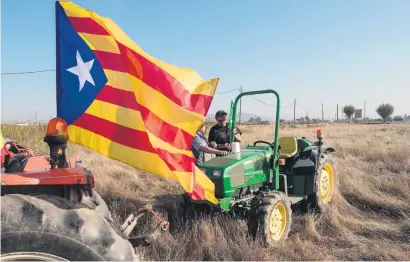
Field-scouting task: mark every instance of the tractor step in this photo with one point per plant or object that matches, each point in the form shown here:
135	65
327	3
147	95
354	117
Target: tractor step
295	199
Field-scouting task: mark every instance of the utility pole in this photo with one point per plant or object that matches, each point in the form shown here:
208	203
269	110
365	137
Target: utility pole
337	112
364	110
322	113
240	106
294	112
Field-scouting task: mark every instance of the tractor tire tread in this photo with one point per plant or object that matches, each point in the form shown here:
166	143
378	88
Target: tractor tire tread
263	215
56	226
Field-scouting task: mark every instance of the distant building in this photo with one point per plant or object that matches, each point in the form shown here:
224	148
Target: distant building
398	118
358	113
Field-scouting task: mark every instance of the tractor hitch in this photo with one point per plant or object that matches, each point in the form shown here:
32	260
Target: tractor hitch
128	226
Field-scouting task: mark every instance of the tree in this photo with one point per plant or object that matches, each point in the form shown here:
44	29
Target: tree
348	110
385	111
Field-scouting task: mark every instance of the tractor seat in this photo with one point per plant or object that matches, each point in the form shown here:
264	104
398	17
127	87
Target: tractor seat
288	146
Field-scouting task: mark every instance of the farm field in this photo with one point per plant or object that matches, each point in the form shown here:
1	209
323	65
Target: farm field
369	219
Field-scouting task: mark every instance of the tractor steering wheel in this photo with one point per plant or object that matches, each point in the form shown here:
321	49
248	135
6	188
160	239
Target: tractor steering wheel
264	142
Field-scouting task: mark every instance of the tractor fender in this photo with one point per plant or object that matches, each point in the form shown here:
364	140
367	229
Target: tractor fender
93	200
328	148
314	150
324	149
97	202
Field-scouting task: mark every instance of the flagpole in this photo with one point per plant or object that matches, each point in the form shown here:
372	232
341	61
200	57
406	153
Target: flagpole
58	87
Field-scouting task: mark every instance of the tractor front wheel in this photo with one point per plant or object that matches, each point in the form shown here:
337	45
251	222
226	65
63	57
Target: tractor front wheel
48	228
271	219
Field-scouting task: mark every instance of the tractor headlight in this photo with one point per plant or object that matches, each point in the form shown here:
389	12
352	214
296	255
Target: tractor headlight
217	173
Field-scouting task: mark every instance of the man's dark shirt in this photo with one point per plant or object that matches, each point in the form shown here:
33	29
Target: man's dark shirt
221	134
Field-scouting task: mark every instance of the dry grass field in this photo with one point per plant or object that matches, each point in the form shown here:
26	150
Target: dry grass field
369	219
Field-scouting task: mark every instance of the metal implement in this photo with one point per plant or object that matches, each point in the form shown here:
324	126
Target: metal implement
128	226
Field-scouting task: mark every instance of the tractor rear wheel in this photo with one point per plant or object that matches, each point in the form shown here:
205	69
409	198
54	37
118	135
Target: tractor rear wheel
45	227
325	184
271	219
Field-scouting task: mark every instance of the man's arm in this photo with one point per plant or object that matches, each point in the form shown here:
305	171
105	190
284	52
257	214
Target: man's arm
238	134
209	150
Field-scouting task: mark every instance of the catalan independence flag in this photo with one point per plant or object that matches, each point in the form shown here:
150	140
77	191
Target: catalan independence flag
2	142
127	105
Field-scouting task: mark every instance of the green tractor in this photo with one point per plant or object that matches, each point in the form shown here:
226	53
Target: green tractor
264	181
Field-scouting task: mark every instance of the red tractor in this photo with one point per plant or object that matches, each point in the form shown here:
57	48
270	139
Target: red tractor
50	210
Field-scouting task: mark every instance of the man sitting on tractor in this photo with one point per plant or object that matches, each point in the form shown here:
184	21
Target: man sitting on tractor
219	135
200	148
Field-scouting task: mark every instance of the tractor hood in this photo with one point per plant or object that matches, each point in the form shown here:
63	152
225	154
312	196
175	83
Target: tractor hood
234	171
246	155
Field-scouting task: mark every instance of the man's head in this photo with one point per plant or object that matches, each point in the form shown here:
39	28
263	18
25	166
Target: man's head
221	117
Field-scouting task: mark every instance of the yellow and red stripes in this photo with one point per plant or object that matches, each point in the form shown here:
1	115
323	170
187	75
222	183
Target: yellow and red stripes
147	108
131	138
129	61
2	142
188	77
87	25
161	129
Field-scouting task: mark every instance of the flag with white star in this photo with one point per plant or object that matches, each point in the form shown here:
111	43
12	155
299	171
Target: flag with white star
126	104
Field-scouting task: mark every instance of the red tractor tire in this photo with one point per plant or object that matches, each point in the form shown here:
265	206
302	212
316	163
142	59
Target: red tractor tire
44	227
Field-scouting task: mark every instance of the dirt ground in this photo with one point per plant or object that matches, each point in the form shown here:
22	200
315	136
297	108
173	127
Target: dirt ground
369	219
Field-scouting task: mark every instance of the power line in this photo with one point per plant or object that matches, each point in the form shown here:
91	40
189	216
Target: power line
267	103
51	70
264	102
301	107
236	89
28	72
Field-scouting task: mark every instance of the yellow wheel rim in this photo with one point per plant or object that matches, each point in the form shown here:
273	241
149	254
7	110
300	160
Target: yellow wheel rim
326	183
278	220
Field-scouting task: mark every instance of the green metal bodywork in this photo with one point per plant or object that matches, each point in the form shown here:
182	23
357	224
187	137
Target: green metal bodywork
252	168
235	171
238	175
